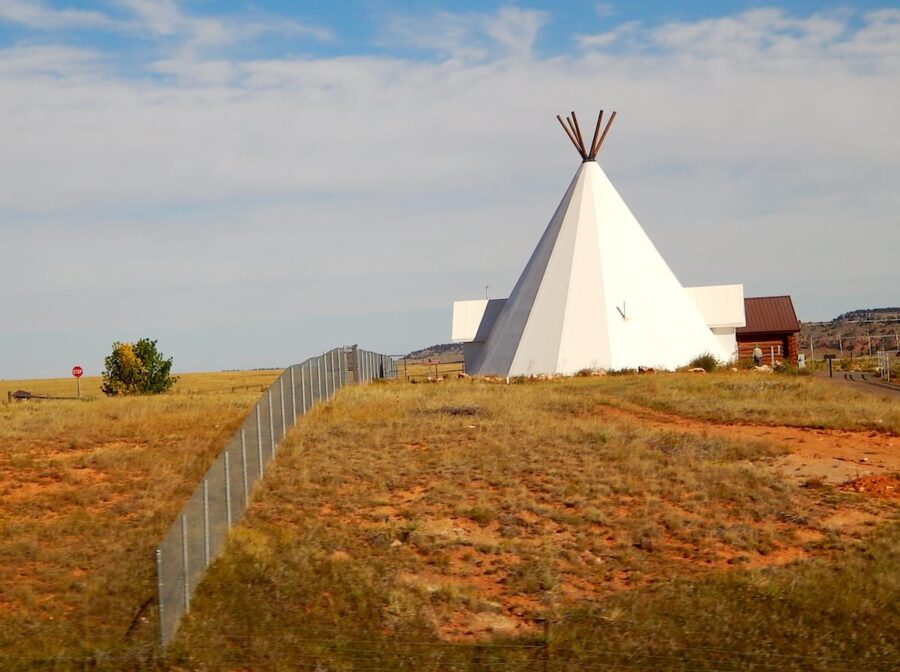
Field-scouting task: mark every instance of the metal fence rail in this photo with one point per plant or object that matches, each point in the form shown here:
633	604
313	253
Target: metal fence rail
198	534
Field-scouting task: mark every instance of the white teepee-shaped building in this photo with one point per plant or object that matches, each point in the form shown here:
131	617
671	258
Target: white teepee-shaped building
595	294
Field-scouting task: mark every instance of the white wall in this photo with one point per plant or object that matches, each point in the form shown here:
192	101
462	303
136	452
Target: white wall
466	319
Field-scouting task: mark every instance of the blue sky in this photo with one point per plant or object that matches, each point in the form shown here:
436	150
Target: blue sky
252	183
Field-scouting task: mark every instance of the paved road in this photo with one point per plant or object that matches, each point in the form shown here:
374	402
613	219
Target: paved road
865	382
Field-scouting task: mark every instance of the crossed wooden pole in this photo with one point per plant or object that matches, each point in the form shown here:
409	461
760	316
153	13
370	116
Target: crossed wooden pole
572	129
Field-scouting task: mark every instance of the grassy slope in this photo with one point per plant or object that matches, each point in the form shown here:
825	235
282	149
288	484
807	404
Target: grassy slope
87	489
404	519
798	401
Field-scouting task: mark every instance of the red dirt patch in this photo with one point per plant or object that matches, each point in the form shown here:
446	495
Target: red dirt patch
879	486
827	455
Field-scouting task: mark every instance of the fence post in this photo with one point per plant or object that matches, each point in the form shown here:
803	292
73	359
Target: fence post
334	376
271	427
184	563
325	371
283	421
227	488
319	371
160	602
293	400
259	441
244	469
330	356
206	522
303	388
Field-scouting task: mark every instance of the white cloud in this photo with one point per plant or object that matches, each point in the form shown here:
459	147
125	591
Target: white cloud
167	18
196	48
510	32
607	38
516	29
36	14
604	9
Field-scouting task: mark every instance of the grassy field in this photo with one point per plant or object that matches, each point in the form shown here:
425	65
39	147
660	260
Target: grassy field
795	401
464	525
87	489
481	526
418	371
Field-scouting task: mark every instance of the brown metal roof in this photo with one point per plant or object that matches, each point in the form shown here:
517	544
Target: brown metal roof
767	314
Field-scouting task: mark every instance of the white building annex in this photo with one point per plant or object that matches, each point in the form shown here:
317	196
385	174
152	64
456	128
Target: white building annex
596	294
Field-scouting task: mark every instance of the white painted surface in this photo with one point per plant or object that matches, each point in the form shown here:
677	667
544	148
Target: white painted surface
466	318
593	261
727	338
720	305
472	320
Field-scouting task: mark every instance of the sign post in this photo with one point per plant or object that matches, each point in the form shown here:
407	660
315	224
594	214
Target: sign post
830	359
77	371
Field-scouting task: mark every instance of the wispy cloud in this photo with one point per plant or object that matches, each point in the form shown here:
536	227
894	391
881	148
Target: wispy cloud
37	14
769	31
195	48
604	9
168	18
509	32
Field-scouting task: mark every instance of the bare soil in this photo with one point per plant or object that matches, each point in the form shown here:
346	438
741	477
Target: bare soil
832	456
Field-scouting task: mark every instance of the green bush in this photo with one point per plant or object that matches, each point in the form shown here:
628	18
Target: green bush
790	368
137	368
706	361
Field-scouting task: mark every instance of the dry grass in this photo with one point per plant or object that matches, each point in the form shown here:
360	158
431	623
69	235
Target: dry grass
471	514
742	396
87	489
418	371
188	383
442	526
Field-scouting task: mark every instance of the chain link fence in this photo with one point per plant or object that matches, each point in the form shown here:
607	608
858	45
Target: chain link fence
199	533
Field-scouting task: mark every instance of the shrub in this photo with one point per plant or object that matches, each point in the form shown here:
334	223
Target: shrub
621	372
790	368
137	368
706	361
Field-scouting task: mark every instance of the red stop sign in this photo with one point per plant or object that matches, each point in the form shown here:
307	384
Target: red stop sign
77	371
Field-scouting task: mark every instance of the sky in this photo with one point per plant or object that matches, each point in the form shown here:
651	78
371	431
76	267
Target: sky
252	183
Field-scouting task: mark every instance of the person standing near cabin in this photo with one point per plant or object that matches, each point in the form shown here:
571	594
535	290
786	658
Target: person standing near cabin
757	355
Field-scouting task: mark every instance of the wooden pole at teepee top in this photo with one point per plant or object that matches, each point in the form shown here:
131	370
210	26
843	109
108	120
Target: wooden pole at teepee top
578	133
568	133
606	130
574	133
593	154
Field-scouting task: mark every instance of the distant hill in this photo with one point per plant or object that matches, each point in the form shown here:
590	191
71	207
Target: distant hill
849	333
856	332
869	314
443	352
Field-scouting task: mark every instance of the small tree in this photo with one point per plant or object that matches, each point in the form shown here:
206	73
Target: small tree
137	368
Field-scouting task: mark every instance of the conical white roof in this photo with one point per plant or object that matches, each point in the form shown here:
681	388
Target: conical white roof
595	294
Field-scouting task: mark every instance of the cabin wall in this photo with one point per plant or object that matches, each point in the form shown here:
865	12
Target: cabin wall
785	346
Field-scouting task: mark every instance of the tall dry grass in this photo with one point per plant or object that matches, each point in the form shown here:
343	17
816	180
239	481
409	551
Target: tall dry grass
427	527
749	396
87	489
